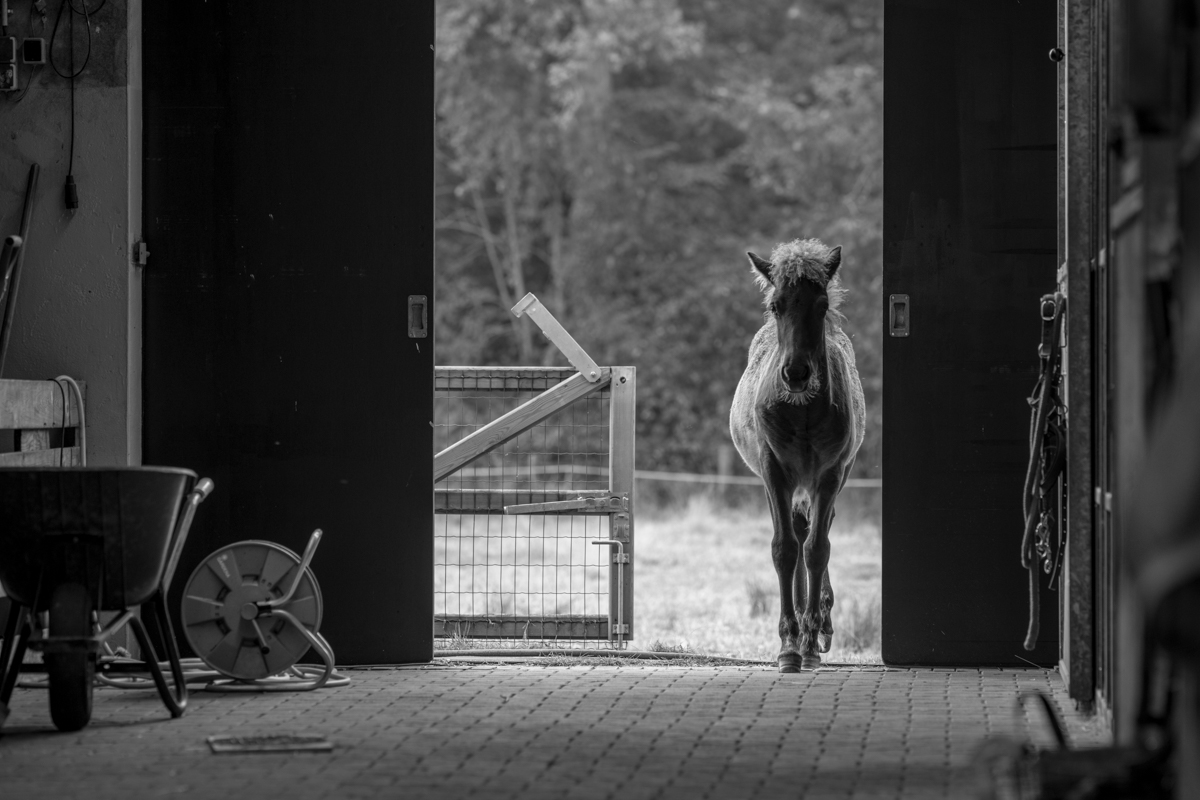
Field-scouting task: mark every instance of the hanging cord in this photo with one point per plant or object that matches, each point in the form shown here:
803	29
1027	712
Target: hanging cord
82	416
1042	473
72	193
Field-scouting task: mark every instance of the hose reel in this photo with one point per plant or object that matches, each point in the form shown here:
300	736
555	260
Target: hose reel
251	610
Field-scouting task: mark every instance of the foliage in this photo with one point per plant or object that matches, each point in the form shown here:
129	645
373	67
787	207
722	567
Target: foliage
618	157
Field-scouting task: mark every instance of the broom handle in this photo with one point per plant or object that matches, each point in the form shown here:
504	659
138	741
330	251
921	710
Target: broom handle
10	304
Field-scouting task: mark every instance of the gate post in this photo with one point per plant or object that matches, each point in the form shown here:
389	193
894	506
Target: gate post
622	421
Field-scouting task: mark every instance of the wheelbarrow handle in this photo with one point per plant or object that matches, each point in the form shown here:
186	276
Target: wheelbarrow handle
196	496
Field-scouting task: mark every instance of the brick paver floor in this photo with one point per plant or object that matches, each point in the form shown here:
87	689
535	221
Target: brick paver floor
545	732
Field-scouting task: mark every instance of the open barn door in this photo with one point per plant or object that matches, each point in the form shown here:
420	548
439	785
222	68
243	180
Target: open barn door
288	214
970	246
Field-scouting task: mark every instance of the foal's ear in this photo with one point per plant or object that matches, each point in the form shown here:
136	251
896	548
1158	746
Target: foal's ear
833	261
764	268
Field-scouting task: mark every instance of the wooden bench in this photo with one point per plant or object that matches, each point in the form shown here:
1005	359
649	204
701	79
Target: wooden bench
37	418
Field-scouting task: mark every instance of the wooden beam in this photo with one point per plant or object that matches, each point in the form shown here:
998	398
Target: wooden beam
1082	113
514	423
553	330
55	457
497	379
482	501
509	627
37	404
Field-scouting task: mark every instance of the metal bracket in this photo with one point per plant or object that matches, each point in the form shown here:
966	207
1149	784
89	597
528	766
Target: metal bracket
617	627
609	504
558	336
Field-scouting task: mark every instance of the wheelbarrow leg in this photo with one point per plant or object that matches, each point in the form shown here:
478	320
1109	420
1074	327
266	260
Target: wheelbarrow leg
175	701
12	654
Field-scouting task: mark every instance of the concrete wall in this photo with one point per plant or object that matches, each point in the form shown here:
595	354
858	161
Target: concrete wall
79	307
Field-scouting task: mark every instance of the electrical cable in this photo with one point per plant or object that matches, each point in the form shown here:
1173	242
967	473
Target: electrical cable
32	77
71	192
298	678
72	73
63	424
82	417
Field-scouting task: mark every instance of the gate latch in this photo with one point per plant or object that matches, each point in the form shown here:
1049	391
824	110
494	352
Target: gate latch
612	503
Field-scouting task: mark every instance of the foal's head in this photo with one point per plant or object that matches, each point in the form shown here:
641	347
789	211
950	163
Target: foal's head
801	286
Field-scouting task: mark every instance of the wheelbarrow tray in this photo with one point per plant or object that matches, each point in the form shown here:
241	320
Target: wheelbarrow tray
76	541
109	529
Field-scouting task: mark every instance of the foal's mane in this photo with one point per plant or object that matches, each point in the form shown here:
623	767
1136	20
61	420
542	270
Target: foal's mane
803	259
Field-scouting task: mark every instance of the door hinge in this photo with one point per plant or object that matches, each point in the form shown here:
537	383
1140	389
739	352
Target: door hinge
141	253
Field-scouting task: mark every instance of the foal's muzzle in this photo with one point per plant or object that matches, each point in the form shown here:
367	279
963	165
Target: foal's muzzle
795	378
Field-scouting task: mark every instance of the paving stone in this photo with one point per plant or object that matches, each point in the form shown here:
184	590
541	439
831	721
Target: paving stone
546	732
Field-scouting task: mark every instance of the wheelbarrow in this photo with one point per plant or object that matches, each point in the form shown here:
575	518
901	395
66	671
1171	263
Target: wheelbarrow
78	541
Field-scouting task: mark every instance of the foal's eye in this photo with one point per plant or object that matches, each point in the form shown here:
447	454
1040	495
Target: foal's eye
776	307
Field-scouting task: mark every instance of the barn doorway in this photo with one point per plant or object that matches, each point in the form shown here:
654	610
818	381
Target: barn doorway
619	167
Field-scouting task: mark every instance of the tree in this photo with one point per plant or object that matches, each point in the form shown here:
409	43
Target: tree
620	157
523	85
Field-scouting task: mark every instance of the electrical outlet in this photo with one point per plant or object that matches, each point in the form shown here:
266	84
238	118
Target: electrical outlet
8	77
33	51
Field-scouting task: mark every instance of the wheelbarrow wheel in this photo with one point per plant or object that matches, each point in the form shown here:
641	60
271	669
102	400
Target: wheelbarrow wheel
71	672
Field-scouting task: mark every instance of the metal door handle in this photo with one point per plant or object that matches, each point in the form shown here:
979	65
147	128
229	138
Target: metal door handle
418	316
900	313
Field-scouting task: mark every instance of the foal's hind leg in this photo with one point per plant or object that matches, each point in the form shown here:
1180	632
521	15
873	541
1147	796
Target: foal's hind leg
826	613
800	580
816	562
801	527
826	637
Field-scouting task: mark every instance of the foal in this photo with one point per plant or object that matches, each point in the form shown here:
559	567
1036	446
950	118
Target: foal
798	419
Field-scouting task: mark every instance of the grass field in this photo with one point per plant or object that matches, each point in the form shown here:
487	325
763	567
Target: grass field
705	583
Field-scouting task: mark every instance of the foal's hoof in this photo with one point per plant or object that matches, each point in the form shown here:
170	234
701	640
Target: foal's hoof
825	640
789	662
810	662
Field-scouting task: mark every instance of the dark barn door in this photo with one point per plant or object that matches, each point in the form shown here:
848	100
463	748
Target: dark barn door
288	213
970	238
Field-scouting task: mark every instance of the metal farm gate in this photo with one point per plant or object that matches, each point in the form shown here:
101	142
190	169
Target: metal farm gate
534	496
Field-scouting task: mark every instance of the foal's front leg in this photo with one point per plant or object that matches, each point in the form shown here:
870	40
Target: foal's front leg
816	563
785	553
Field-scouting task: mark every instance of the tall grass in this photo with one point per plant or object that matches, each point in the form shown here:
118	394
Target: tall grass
705	582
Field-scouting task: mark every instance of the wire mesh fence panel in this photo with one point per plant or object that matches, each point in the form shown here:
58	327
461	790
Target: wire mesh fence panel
527	576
